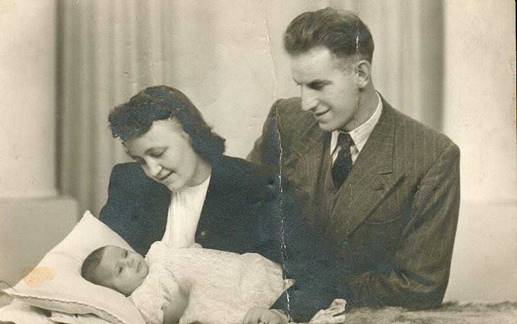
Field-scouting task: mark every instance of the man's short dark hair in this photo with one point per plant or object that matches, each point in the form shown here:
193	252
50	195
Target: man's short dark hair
342	32
134	118
91	263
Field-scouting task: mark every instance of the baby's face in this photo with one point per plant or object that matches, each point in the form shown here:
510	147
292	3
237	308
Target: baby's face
121	269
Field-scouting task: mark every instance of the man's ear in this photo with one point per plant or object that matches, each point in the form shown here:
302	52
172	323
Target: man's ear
362	71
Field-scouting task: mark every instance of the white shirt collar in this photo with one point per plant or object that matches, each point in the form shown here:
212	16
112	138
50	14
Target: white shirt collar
361	133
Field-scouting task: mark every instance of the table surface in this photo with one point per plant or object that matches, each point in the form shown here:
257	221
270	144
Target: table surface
448	313
471	313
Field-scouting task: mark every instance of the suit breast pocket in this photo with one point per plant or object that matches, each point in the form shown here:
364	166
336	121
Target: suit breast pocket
391	209
382	230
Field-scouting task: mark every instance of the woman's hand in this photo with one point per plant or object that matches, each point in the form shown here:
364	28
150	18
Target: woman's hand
259	315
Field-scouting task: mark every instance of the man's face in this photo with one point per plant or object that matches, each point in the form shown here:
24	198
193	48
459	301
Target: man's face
328	89
166	155
121	270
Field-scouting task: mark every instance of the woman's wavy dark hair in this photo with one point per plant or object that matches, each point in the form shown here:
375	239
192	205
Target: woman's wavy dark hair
135	118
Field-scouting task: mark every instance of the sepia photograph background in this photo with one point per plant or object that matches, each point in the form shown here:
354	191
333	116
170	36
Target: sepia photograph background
65	64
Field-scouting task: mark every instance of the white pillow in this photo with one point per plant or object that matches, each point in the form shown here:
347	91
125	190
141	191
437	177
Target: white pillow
56	283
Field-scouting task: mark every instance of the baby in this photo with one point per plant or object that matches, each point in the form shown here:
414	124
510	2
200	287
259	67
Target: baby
188	285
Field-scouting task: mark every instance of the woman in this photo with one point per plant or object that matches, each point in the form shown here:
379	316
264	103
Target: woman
182	190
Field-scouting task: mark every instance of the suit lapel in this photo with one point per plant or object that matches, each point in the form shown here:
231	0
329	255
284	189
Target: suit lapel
370	181
371	178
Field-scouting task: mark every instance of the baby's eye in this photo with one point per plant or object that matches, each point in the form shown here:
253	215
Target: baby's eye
119	270
126	254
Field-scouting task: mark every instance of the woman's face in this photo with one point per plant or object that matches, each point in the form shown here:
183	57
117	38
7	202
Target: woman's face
166	156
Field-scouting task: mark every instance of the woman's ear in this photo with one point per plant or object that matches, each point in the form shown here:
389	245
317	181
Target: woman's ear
362	71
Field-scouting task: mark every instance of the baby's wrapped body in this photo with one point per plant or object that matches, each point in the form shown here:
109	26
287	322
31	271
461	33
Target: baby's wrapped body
221	286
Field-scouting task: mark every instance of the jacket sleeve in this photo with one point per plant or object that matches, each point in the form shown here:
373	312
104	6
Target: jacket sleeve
309	259
305	256
118	206
130	206
420	272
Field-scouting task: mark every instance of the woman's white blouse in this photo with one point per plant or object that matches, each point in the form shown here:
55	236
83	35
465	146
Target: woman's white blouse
183	215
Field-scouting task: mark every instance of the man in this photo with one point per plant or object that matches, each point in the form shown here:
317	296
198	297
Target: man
384	187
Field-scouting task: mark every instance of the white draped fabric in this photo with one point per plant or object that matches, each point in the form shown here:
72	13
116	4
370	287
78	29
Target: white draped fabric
227	56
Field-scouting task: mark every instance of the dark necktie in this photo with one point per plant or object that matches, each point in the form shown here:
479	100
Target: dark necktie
343	163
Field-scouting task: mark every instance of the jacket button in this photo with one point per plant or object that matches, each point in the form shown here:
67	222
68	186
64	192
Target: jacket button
203	234
344	243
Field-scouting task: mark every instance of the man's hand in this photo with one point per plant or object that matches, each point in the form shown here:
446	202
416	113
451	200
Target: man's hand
259	315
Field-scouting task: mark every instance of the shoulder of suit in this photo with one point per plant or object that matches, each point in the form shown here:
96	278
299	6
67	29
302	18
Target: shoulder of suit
288	105
130	169
131	176
243	172
240	175
290	116
419	133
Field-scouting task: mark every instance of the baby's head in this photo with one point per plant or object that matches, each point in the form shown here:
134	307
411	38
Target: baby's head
115	268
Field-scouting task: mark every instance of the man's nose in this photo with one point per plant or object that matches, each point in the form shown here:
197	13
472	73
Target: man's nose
309	99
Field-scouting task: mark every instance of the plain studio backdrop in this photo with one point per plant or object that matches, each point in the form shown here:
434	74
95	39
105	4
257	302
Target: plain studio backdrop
65	64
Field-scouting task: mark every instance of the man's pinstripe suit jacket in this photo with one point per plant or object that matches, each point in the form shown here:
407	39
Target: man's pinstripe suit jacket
394	219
